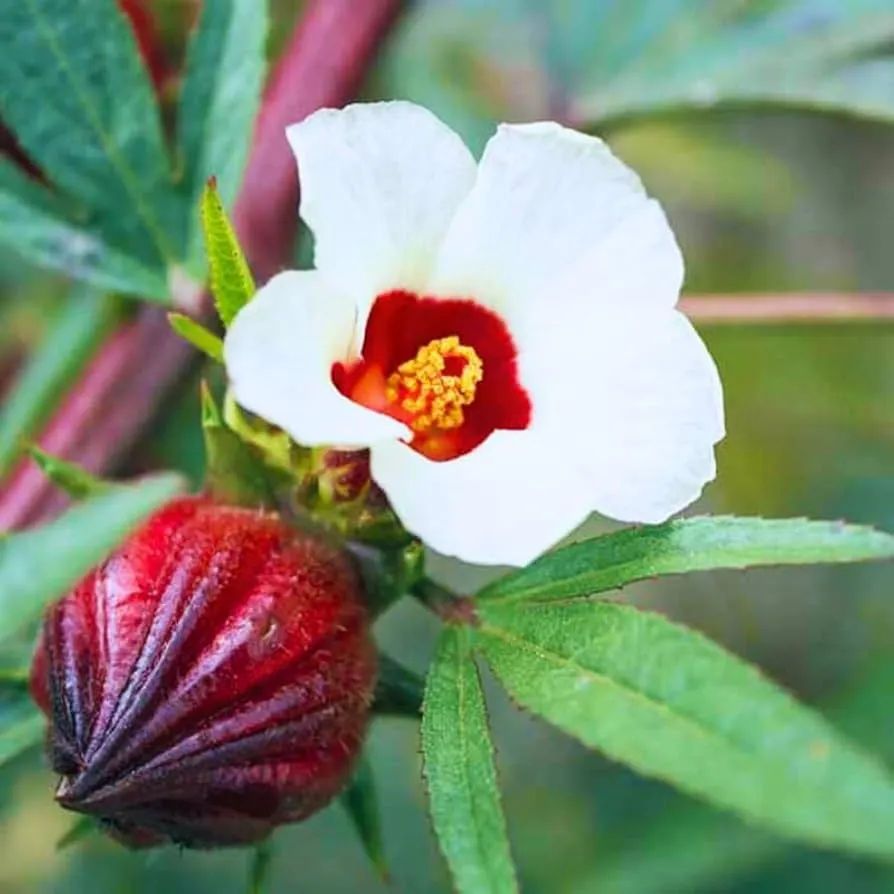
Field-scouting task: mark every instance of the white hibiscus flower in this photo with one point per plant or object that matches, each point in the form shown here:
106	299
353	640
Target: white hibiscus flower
501	336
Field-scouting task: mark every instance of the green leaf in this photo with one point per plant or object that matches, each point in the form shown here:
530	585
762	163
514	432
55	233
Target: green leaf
459	769
82	321
673	56
220	96
72	479
39	565
197	335
689	847
606	63
232	284
234	474
693	544
21	724
361	801
35	223
64	67
673	705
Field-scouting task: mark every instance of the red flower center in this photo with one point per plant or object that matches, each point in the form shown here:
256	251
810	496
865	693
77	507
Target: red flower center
447	368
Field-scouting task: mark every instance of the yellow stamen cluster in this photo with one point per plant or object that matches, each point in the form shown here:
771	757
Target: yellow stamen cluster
434	399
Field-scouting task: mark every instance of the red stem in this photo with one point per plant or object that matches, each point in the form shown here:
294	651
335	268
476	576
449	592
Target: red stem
822	307
126	381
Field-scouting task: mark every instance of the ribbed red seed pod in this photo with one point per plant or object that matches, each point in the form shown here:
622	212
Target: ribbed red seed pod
210	681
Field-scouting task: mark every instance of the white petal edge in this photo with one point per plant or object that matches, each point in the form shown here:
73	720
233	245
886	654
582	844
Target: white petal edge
504	503
654	414
380	184
279	353
553	210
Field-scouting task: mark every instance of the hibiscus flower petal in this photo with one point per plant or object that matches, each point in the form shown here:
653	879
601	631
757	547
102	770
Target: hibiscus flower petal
380	184
552	210
502	504
279	353
654	414
627	430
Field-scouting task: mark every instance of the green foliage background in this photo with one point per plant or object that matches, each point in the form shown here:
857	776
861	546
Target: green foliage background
764	197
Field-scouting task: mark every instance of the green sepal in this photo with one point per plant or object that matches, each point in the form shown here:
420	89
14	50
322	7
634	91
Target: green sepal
260	868
399	691
388	574
233	474
197	335
272	444
82	828
232	284
71	478
361	801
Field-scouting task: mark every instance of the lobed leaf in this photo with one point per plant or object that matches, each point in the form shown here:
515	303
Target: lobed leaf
677	547
232	284
220	96
39	565
689	847
673	705
35	224
610	63
459	768
64	66
673	56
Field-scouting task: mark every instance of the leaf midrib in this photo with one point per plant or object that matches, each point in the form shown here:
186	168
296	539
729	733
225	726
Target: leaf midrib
695	725
465	663
127	176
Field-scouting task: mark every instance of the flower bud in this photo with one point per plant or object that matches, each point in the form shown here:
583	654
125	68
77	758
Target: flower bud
209	681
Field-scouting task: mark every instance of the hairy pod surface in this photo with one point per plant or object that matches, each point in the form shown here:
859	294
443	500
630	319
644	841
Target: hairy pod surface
210	681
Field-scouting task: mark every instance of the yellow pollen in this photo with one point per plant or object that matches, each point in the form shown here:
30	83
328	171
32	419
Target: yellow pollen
436	400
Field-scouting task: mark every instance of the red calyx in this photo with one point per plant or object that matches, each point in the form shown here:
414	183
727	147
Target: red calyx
208	682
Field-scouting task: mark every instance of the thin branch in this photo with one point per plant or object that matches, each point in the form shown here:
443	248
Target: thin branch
450	607
795	307
127	380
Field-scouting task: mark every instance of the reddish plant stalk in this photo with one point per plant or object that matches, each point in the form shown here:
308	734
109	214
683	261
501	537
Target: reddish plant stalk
126	381
795	307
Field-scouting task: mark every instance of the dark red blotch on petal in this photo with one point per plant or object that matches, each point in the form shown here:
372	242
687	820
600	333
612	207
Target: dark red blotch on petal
400	323
210	681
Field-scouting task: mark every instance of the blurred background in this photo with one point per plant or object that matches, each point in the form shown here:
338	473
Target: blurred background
763	199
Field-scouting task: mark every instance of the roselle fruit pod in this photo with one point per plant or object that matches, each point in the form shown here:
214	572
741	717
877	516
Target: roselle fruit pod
208	682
